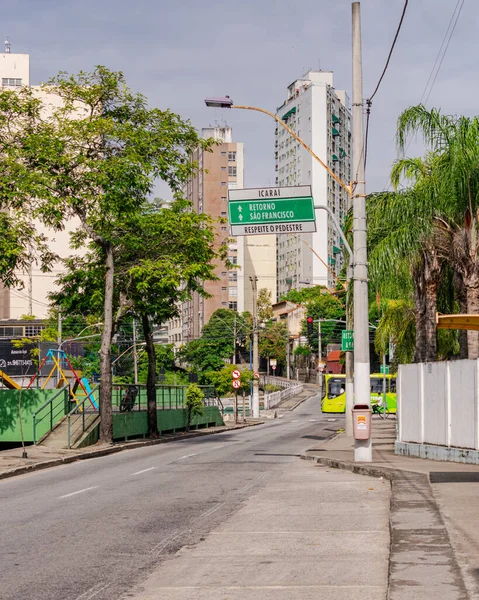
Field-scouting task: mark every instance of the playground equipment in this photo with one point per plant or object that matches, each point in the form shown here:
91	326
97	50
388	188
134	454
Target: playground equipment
8	382
79	386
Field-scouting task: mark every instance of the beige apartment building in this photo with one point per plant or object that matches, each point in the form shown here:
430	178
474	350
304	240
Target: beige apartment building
32	298
219	171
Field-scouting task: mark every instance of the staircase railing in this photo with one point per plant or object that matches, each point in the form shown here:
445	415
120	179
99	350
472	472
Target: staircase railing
49	413
77	418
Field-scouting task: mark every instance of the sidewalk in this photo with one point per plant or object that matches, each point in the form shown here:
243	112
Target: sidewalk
309	390
434	516
308	533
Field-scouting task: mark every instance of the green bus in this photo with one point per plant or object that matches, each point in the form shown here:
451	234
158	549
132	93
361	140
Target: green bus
334	392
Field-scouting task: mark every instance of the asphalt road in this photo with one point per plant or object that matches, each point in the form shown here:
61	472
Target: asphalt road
95	528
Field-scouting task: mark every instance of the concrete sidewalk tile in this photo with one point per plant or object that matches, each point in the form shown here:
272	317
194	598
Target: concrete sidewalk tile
266	593
270	570
331	543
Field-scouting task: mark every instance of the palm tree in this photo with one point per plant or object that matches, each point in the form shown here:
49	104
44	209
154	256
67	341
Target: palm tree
454	146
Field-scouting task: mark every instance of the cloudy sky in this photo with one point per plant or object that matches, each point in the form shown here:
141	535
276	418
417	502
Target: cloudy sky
177	52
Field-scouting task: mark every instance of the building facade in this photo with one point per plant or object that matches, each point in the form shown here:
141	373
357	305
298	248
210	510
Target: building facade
32	298
321	117
220	170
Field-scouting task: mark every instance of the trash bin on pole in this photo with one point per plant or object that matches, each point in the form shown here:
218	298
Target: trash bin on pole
362	421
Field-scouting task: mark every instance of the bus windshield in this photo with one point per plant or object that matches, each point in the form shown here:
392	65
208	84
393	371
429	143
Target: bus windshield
335	387
376	385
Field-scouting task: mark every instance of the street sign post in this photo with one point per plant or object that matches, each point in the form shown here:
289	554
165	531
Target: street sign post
347	340
274	210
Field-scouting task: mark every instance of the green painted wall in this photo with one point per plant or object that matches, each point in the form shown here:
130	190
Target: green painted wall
31	401
135	423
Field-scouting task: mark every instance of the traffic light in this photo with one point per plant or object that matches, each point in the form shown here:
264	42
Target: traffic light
310	325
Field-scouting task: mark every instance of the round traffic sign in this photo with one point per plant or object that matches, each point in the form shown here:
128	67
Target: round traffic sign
273	367
256	376
236	374
236	383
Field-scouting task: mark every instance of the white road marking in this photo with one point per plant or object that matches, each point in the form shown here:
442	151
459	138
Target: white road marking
80	492
93	591
188	455
162	545
144	471
295	421
212	510
313	420
244	488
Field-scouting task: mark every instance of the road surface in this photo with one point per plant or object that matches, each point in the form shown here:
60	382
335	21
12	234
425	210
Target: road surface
96	528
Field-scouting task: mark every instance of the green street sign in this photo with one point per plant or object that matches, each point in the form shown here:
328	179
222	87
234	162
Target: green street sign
271	211
347	340
384	370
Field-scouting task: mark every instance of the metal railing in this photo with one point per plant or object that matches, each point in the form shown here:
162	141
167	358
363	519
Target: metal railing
133	397
81	417
51	411
272	400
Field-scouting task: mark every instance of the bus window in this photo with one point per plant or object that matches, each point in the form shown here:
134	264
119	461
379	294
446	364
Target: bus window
376	385
335	387
392	385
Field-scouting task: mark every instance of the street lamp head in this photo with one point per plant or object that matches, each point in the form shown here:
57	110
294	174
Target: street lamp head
225	102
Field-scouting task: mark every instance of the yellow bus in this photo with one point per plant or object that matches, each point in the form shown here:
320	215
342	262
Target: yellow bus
334	393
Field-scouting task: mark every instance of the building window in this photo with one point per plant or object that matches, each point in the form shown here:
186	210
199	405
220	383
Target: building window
231	156
223	183
233	291
232	171
223	213
11	82
224	229
223	154
233	260
223	289
223	198
223	273
224	304
233	306
223	168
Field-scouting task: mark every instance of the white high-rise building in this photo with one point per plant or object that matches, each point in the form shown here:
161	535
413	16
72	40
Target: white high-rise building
321	117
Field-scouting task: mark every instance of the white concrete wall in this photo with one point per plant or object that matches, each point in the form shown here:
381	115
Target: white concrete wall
438	404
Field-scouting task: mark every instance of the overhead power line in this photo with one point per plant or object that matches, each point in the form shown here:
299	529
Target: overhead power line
437	64
370	99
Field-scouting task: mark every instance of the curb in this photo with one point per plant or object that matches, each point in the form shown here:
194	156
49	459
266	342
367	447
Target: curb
424	538
114	448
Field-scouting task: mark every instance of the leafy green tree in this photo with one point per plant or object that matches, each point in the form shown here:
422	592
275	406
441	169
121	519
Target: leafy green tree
21	245
101	151
272	341
217	342
222	379
193	403
264	306
163	256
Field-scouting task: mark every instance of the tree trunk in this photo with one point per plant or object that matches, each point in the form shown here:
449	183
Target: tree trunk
462	299
430	321
472	294
106	423
151	377
419	314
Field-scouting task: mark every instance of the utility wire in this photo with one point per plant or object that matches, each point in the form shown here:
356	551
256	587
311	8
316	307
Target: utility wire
370	99
437	64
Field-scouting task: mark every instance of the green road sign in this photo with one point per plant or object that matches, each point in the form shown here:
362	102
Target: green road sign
347	340
271	210
384	370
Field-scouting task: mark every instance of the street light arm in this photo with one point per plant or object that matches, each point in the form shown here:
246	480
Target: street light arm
338	228
348	188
